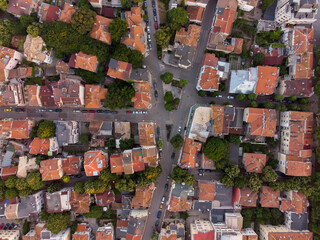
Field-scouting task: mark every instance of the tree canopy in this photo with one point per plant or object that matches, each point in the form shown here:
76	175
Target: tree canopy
258	59
46	129
122	53
95	212
166	77
269	174
217	150
93	186
54	187
34	180
82	20
176	141
177	17
119	95
58	221
163	36
117	29
3	5
79	187
34	29
182	176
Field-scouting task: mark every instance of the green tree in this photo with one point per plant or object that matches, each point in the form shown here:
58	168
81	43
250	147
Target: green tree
10	193
217	150
253	104
268	105
269	174
95	212
27	20
281	108
168	97
278	97
176	141
34	180
182	176
82	20
160	143
21	184
177	17
201	93
106	176
247	215
79	187
93	186
119	94
258	59
46	129
166	77
25	227
11	182
66	178
252	96
125	184
55	187
117	29
292	98
44	215
84	138
168	106
111	144
155	236
126	4
254	182
233	138
136	59
241	97
126	143
25	192
183	83
304	100
183	215
58	222
34	29
3	5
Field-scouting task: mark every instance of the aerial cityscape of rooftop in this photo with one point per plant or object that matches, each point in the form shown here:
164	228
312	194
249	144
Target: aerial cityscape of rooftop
159	119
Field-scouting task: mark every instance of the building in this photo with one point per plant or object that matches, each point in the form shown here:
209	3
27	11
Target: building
66	13
35	50
68	91
46	95
103	3
296	87
10	234
269	198
201	3
51	169
178	197
173	231
296	141
122	130
62	67
244	198
116	164
254	162
189	153
281	232
94	96
105	199
297	12
211	72
12	94
294	202
143	196
150	156
230	228
226	120
48	13
67	132
246	5
44	146
261	80
25	166
137	224
41	232
273	56
119	69
95	162
58	201
260	122
21	7
101	128
201	229
207	191
249	234
83	232
146	133
71	165
7	172
24	72
105	232
142	97
84	61
15	129
100	29
9	58
80	203
32	95
195	14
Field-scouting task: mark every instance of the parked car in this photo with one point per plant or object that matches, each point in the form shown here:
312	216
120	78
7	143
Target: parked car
114	112
150	46
19	110
200	172
155	12
145	3
156	93
173	155
149	37
155	18
144	112
58	110
129	112
159	214
2	225
179	129
7	109
76	110
147	22
84	111
144	66
158	130
148	29
107	111
161	206
166	187
50	110
208	171
99	111
157	223
163	199
153	3
219	96
42	110
155	85
230	97
156	25
243	61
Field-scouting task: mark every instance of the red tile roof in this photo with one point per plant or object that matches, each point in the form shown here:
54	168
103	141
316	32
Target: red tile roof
8	171
189	152
94	95
137	161
51	169
207	191
269	198
67	13
146	133
94	162
254	162
142	97
224	21
39	146
80	203
71	165
290	235
100	29
195	13
267	80
298	203
121	71
116	164
21	129
204	236
104	199
188	37
86	62
143	195
248	198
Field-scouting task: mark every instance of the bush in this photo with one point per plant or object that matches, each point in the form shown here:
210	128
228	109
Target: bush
95	212
58	222
177	141
253	104
183	82
55	187
252	96
79	187
11	193
25	227
184	215
201	93
66	178
241	97
11	182
258	59
84	138
166	77
168	97
46	129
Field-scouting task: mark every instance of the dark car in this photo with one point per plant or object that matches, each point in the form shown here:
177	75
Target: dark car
154	12
166	187
114	112
107	111
156	25
153	3
159	214
158	130
155	85
147	22
155	19
150	46
200	172
1	226
173	155
99	111
6	226
208	171
92	111
156	93
145	3
58	110
84	111
19	109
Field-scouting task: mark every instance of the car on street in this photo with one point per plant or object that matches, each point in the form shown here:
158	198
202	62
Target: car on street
7	109
200	172
230	97
208	171
129	112
76	110
107	111
219	96
159	214
148	29
19	110
92	111
149	37
156	25
243	61
2	225
163	199
150	46
144	66
173	155
58	110
157	223
99	111
156	93
84	111
158	130
147	22
155	85
6	226
114	112
154	11
50	110
153	3
144	112
42	110
145	3
269	99
161	206
166	187
155	18
179	129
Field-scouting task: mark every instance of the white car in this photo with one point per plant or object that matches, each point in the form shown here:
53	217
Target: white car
148	29
144	112
219	96
230	97
76	111
162	200
179	129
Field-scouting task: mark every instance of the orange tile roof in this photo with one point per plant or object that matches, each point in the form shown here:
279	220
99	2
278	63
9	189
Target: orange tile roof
269	198
133	17
51	169
304	66
210	59
71	165
262	122
248	198
135	39
81	233
20	129
62	67
301	169
104	235
32	96
8	171
218	118
6	54
209	78
298	203
267	80
67	13
238	45
143	196
254	162
189	37
224	21
5	127
94	95
179	204
142	97
80	203
39	146
122	71
137	160
207	191
189	151
302	40
290	235
86	62
146	134
116	164
195	13
94	162
100	29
